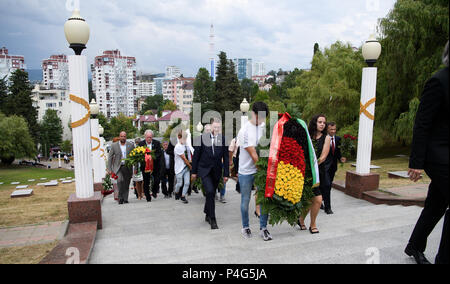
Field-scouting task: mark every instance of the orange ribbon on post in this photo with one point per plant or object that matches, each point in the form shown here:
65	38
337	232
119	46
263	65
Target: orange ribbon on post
363	108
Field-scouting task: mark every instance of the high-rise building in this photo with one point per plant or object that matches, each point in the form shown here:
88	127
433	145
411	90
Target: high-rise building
243	67
159	85
172	90
114	83
44	99
10	63
173	72
145	89
259	69
55	72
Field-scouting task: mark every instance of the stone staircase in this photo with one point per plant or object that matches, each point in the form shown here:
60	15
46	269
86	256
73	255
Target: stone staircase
167	231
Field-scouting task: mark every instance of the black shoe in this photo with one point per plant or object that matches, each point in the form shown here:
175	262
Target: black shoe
177	196
126	202
184	200
154	195
329	211
149	199
418	256
214	224
302	228
195	190
170	195
120	201
257	216
207	219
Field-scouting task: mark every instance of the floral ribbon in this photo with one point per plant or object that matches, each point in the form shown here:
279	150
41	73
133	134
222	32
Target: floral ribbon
148	161
363	108
84	103
273	154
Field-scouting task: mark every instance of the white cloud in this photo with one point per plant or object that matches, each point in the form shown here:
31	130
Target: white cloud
176	32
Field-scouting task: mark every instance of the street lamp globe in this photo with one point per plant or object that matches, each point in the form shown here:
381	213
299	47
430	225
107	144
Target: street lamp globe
245	106
101	130
199	127
371	50
94	108
77	32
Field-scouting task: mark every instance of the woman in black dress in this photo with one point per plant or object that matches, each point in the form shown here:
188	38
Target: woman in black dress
317	129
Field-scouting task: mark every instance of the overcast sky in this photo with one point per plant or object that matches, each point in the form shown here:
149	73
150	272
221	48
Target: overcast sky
160	33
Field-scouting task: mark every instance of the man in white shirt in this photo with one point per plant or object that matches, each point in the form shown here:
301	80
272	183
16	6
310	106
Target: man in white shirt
182	167
248	138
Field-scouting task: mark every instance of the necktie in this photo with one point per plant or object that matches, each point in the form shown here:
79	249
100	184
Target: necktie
212	142
332	145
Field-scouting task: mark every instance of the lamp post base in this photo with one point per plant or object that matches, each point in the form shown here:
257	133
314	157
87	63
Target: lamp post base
98	186
83	210
356	184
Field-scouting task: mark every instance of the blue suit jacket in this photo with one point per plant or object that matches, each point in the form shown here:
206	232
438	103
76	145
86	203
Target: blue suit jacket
204	161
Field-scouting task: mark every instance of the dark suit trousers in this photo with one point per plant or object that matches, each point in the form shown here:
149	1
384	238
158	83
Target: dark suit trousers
123	182
169	176
436	206
325	186
210	183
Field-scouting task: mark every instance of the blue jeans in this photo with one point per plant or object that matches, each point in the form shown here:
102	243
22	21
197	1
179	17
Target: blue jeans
246	185
223	189
183	175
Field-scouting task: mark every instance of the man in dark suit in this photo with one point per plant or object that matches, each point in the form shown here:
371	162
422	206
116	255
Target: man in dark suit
116	164
167	169
210	157
430	153
153	145
331	164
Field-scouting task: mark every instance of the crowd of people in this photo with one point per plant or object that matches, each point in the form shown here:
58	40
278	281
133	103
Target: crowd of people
178	165
211	160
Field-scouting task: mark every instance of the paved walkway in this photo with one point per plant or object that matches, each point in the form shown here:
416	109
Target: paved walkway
33	234
167	231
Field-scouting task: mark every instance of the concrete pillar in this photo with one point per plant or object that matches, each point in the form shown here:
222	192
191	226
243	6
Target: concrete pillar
96	143
81	128
366	119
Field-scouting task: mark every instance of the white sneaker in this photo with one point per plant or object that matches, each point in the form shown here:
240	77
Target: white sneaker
264	233
246	233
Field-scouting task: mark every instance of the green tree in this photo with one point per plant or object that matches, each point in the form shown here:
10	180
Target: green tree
316	48
3	94
228	94
51	131
332	86
122	123
204	90
16	139
169	105
152	102
19	101
403	126
66	146
413	36
249	89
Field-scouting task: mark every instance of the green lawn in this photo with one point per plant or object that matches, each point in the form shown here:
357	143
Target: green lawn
22	174
386	159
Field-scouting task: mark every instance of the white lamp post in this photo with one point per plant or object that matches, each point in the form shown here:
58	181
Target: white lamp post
77	34
199	127
245	106
95	141
371	51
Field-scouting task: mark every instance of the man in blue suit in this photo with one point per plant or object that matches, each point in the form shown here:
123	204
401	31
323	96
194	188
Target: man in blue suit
210	157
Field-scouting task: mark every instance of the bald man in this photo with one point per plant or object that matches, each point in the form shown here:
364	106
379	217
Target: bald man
116	164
